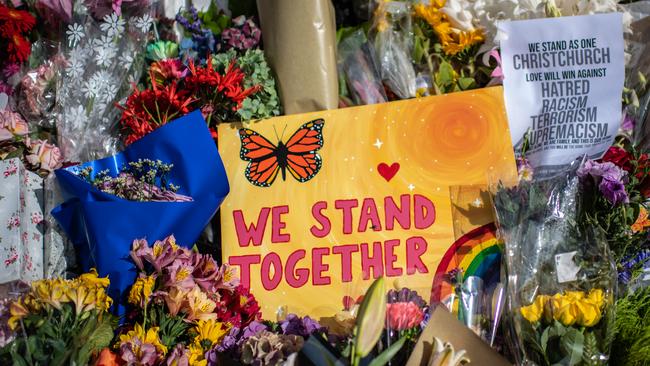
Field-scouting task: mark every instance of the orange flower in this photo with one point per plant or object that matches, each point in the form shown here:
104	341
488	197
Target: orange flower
642	221
107	358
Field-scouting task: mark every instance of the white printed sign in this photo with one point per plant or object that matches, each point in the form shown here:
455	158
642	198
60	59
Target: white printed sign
563	81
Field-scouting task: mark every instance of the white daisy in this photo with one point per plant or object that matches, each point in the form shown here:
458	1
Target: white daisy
74	70
126	60
143	23
75	33
90	88
78	55
108	93
76	116
104	56
113	25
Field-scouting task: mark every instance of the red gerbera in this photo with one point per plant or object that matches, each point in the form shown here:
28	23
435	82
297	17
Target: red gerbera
146	110
15	21
18	49
219	95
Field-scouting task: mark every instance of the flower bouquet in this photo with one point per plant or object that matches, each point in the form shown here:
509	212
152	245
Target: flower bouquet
561	277
183	304
60	322
170	181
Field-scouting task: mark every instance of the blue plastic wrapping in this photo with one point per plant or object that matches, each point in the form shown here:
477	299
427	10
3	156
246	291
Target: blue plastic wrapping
102	226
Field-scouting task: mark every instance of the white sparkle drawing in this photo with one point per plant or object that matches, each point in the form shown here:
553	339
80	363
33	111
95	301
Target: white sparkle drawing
411	187
378	144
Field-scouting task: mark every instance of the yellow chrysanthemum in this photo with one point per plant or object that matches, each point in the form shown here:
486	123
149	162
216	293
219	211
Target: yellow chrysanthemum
210	332
142	290
451	39
151	337
196	355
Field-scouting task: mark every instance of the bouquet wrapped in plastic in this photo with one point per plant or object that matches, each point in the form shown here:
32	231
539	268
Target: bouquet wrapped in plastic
561	278
103	56
109	205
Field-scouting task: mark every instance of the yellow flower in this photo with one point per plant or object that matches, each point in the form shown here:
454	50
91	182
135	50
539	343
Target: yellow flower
196	355
142	290
589	314
564	309
574	295
151	337
52	292
210	331
534	311
92	279
199	306
596	297
18	310
452	40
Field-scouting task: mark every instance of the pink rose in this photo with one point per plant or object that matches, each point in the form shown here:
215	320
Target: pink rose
12	124
45	155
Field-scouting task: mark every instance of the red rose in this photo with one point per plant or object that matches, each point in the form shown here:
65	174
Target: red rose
620	157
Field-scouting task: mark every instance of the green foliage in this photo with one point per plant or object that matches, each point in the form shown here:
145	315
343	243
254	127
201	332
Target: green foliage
59	339
631	345
388	354
263	104
214	19
171	328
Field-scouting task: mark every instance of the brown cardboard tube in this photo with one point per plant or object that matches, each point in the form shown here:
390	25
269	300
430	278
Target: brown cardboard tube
300	45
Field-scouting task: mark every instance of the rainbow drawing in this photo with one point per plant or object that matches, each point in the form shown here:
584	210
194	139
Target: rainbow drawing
477	253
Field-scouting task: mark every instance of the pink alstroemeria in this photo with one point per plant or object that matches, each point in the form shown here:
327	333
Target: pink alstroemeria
139	250
179	274
206	272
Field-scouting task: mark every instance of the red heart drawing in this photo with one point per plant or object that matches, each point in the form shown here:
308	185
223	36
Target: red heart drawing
388	172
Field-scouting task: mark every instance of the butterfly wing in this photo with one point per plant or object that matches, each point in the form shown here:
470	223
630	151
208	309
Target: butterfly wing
262	156
303	161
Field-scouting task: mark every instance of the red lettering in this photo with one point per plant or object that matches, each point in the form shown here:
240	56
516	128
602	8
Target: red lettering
244	262
416	246
296	277
401	215
317	213
318	267
346	260
346	206
270	282
277	225
369	213
374	262
390	258
424	212
254	233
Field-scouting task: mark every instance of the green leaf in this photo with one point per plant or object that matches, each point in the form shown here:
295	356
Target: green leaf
371	318
572	344
466	83
388	354
445	74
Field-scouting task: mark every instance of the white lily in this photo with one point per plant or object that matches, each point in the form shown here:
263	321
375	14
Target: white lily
444	355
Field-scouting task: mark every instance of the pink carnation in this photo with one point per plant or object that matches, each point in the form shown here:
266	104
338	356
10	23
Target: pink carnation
403	315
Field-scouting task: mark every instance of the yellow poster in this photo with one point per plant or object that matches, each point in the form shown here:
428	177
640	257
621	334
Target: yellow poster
322	203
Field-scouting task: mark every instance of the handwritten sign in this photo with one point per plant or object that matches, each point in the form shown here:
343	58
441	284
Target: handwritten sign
322	203
563	81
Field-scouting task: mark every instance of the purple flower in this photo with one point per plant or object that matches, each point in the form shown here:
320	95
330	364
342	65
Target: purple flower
609	178
6	88
243	35
140	249
253	328
628	123
614	191
135	352
405	295
178	357
303	327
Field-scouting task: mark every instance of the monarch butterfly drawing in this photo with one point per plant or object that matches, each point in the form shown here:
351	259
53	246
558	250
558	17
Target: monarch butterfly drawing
298	155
